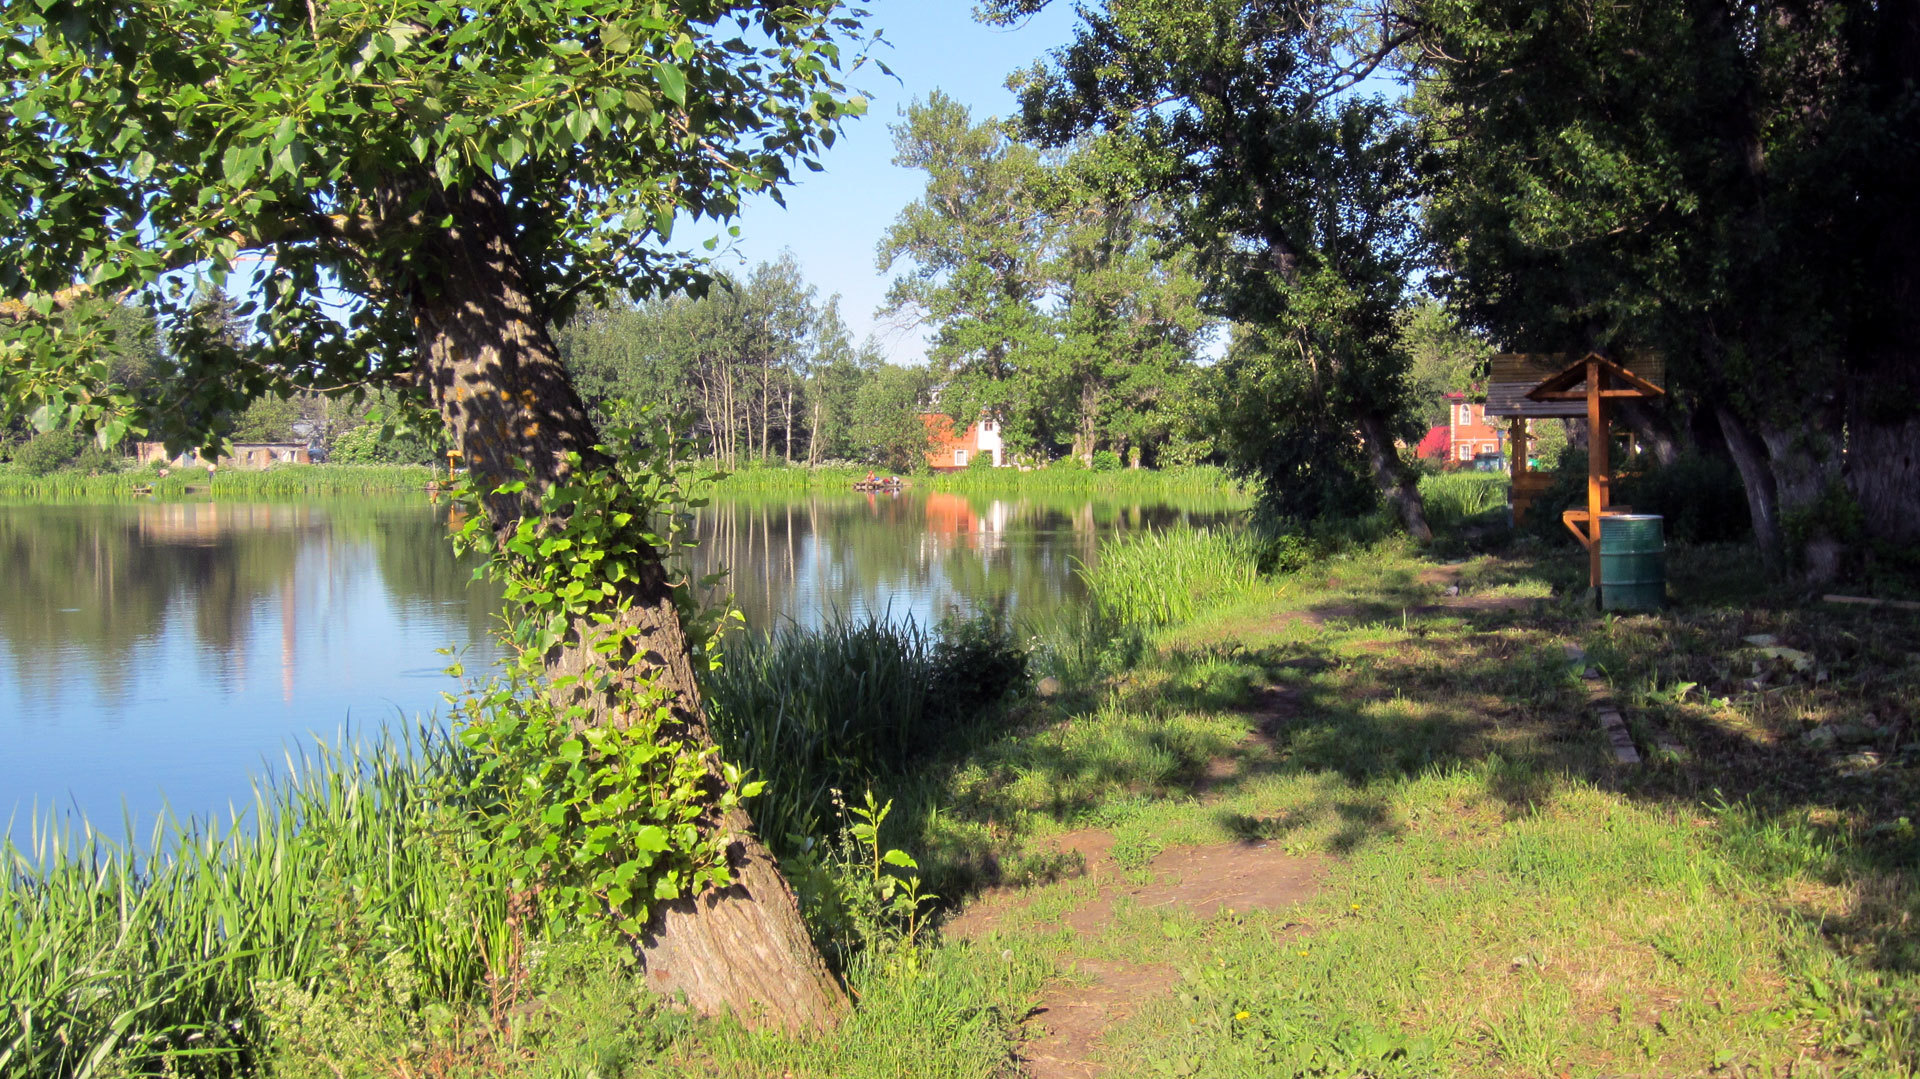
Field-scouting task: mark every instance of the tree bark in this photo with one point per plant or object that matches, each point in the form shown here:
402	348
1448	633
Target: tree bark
1651	428
501	388
1396	482
1750	457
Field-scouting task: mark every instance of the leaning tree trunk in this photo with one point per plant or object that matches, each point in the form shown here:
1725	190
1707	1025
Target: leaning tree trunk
1396	482
499	384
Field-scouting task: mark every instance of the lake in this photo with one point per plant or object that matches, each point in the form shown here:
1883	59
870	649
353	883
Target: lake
162	653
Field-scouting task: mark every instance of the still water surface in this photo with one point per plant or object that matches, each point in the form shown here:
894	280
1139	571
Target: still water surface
161	653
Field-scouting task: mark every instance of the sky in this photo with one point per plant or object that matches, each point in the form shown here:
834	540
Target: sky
834	219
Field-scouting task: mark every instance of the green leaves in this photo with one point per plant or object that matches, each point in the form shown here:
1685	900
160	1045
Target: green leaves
606	820
286	131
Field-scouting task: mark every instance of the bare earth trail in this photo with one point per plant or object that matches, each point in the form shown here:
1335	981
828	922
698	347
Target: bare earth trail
1074	1013
1067	1025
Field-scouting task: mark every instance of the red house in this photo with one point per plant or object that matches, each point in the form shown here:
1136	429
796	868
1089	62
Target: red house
1469	435
948	449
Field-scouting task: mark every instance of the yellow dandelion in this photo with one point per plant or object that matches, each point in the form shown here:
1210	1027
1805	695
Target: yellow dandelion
1242	1016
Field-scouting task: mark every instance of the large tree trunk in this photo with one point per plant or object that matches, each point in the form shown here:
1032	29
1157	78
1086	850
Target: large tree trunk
1806	462
1750	457
1397	483
500	386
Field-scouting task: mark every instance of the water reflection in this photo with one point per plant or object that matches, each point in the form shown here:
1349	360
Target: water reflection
175	646
913	554
172	647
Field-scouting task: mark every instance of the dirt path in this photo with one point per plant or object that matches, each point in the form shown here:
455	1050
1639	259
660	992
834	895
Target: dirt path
1075	1012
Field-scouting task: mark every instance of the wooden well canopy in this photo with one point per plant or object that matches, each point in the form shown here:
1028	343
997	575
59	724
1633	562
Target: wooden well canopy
1593	383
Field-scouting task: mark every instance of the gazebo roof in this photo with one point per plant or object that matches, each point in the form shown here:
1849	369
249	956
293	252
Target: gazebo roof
1513	375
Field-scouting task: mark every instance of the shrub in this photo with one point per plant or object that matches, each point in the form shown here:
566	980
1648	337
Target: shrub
1106	461
47	451
1701	498
980	462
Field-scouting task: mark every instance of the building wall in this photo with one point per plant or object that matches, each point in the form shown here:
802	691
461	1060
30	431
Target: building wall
1469	434
949	449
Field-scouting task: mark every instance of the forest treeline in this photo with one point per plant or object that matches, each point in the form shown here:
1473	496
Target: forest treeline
1270	235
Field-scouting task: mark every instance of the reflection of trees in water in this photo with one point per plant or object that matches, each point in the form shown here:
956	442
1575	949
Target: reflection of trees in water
106	579
946	551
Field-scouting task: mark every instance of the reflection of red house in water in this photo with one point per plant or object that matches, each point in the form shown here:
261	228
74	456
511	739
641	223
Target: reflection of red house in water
954	521
949	515
948	449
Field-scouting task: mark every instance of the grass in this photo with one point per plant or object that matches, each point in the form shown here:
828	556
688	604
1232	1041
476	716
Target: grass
337	889
1153	579
1058	479
227	483
1497	896
1455	498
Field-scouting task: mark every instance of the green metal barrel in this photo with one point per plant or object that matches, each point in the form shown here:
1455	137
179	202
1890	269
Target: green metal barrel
1633	562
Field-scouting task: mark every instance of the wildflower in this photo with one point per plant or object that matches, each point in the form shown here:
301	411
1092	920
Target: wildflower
1241	1017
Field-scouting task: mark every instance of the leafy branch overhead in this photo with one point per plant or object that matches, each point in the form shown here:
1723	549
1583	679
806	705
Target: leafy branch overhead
311	142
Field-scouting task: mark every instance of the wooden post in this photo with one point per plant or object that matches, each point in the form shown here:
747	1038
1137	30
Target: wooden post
1517	467
1597	479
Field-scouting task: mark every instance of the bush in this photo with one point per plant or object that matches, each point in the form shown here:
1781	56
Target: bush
980	462
1701	498
95	461
1106	461
47	451
363	445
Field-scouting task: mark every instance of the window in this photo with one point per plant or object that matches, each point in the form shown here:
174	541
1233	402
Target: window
959	457
986	427
1466	451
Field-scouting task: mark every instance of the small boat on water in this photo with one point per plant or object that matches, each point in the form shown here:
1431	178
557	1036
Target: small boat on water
890	484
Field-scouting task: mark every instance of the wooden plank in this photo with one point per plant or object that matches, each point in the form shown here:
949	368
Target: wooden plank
1581	395
1867	601
1517	469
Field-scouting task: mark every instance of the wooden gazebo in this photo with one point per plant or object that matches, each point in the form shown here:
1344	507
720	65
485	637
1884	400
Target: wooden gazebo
1529	386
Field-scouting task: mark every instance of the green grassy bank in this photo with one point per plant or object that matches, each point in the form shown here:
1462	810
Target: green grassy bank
225	483
1057	479
1492	892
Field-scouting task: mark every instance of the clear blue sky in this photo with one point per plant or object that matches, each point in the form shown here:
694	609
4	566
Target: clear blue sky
834	219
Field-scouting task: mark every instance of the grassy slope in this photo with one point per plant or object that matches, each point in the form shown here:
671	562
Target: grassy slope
1504	900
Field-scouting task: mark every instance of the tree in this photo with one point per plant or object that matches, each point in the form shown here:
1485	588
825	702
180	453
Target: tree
1051	306
1297	195
975	241
1642	176
887	430
1443	356
427	188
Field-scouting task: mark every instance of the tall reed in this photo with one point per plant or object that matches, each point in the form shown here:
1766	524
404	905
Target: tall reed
812	710
1158	578
1453	498
152	957
1143	482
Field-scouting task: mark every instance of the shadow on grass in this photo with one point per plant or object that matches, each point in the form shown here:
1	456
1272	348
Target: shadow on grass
1399	680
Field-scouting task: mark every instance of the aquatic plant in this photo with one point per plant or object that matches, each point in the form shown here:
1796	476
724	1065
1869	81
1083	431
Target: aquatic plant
136	955
1157	578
